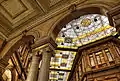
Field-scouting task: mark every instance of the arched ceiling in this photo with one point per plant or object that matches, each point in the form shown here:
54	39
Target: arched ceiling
15	14
20	15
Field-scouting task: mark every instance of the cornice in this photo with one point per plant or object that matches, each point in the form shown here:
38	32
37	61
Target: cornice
43	42
46	44
52	13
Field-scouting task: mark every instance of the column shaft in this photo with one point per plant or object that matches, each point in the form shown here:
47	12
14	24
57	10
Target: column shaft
44	70
32	74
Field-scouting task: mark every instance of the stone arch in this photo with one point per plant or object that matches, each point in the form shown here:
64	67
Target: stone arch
88	8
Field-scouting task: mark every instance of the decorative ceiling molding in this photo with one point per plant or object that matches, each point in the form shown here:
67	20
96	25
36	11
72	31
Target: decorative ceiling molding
41	19
16	11
11	10
38	19
35	33
44	4
53	2
2	36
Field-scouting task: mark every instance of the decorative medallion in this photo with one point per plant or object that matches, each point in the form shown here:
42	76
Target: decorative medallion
85	22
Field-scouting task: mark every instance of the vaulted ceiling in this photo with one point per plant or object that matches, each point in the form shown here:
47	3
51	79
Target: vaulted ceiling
18	15
15	14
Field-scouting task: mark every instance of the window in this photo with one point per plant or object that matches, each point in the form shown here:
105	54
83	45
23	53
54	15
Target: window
92	60
109	56
100	57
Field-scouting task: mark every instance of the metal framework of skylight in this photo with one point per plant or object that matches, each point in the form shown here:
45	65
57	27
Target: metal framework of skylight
78	32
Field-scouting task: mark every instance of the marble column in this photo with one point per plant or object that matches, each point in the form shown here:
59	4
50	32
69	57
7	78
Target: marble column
33	72
44	69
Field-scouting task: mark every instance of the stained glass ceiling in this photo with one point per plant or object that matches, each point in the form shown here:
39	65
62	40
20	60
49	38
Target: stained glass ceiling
85	29
78	32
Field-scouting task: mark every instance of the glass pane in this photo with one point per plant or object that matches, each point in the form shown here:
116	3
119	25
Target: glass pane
108	55
102	58
92	60
62	60
58	75
98	59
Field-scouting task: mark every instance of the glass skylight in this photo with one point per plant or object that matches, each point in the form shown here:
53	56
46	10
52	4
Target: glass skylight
85	29
58	75
62	60
78	32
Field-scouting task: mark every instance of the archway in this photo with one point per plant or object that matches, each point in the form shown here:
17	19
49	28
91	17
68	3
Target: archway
74	15
64	25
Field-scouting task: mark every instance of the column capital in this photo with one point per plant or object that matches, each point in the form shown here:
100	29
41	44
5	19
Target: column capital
43	41
45	48
46	44
37	53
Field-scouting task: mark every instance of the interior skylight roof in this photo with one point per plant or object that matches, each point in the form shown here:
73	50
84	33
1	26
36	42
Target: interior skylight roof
78	32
